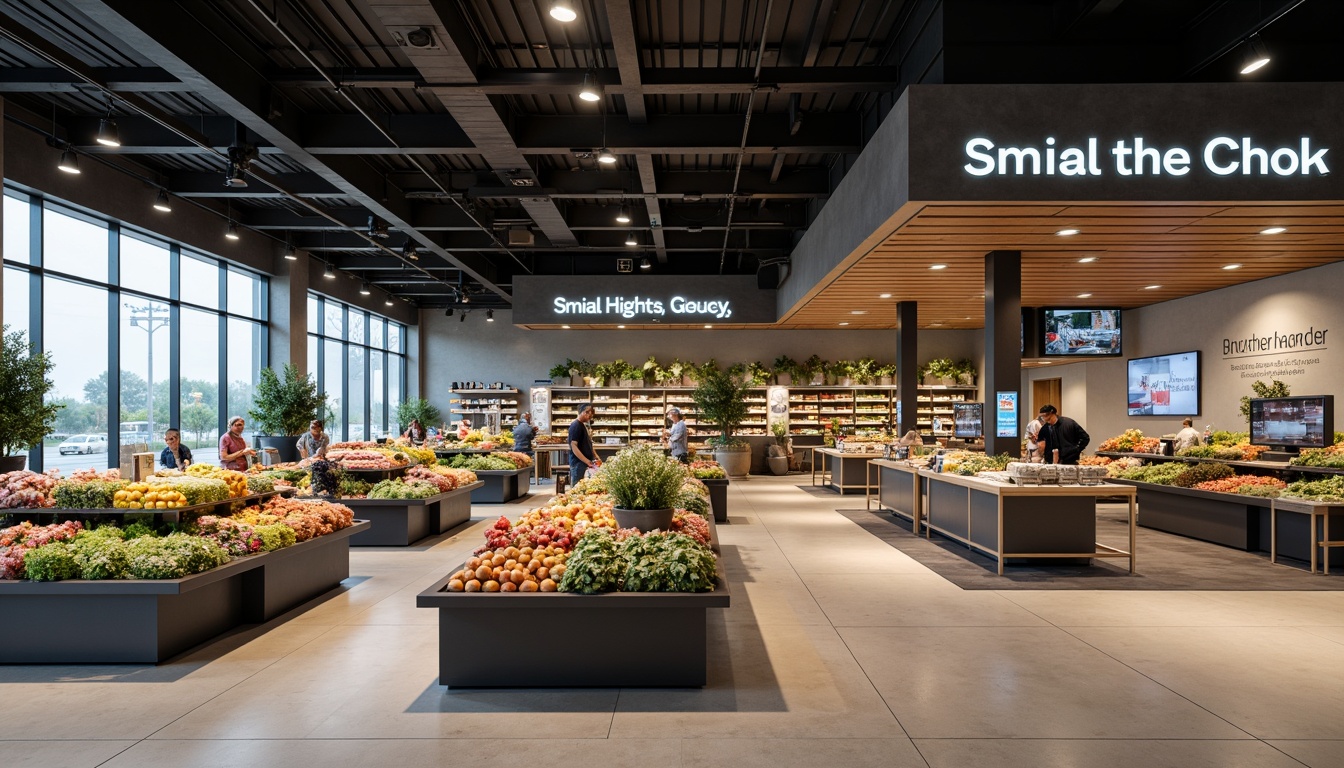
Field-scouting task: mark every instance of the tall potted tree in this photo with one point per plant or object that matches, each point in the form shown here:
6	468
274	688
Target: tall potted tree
721	401
283	407
644	486
26	418
417	408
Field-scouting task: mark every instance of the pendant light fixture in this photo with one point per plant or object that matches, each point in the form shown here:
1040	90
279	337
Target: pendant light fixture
605	156
1255	56
108	135
388	300
364	288
590	91
623	216
161	203
489	315
69	161
409	251
291	253
631	240
232	231
645	264
234	178
563	10
330	273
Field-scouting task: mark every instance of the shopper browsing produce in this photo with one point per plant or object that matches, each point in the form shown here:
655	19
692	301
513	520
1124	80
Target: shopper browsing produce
176	455
676	436
581	453
1188	437
523	434
415	432
314	442
463	427
1063	439
1034	451
233	450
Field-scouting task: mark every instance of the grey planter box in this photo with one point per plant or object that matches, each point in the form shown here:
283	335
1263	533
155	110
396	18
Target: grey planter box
402	522
501	485
138	622
718	498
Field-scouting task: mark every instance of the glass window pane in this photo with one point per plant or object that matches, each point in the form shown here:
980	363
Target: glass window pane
200	282
312	356
17	230
200	384
334	382
76	333
74	246
144	266
354	389
313	317
245	295
144	372
356	327
394	392
334	327
377	326
393	337
16	298
244	369
377	394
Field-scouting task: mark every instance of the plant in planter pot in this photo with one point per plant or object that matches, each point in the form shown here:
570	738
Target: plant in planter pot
644	486
813	371
697	373
603	373
835	370
559	373
739	372
940	370
652	371
886	375
675	372
417	408
282	408
721	402
785	368
865	370
26	419
758	374
778	457
965	372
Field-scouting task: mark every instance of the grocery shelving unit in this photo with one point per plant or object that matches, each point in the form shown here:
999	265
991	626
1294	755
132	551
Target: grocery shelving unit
495	408
937	402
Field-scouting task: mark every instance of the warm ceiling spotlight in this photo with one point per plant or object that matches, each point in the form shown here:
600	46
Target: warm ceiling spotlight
1151	287
1231	267
623	216
364	288
631	240
234	178
1255	56
490	316
590	91
409	251
563	10
388	300
884	295
605	156
937	266
645	264
232	232
620	326
1274	231
1087	259
1084	295
291	253
108	135
709	326
566	327
842	323
935	325
330	273
161	202
69	161
1068	232
858	311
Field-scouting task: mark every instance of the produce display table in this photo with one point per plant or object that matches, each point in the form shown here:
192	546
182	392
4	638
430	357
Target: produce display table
1021	521
718	498
897	489
501	485
149	621
844	471
1228	519
642	639
60	514
377	475
402	522
1318	536
546	455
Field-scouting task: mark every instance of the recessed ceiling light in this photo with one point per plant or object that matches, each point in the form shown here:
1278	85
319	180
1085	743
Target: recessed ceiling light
1087	259
934	325
937	266
858	311
1046	362
709	326
1274	231
620	326
1084	295
842	323
1068	232
1151	287
884	295
566	327
1231	266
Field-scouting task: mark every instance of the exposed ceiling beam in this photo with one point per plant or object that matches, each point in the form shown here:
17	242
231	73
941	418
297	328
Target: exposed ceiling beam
57	80
621	23
614	240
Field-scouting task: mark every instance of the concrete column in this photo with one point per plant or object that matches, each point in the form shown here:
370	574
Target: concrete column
289	311
2	215
1003	344
907	364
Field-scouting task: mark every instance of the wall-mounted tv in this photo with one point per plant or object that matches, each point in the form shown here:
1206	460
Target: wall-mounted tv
1293	422
1164	385
1070	332
968	420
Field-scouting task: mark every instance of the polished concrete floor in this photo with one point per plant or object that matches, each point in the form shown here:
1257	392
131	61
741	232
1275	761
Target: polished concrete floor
838	651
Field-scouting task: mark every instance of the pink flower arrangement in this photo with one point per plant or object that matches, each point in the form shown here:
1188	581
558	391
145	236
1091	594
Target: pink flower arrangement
90	475
17	541
27	490
358	459
443	482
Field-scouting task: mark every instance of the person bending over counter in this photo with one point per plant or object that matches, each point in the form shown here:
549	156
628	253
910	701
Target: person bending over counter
1062	438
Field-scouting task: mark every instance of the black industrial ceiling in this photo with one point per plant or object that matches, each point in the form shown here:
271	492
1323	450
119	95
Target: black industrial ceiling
436	146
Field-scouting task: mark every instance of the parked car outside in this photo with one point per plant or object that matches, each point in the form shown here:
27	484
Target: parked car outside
83	444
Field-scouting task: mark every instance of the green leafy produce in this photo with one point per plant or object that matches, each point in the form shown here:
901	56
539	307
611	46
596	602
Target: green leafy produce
478	463
666	562
276	536
291	476
595	565
1321	457
173	557
260	484
969	464
94	494
691	501
1195	474
400	489
139	528
353	486
101	553
1160	474
198	490
1223	437
1326	489
1223	452
642	478
1263	491
51	562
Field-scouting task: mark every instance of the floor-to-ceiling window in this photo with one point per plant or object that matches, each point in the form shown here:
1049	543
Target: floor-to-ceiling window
359	362
144	334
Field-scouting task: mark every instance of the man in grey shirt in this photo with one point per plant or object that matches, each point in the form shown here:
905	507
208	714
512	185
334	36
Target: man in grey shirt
676	435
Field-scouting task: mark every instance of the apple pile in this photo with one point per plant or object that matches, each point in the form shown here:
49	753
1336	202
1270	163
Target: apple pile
511	569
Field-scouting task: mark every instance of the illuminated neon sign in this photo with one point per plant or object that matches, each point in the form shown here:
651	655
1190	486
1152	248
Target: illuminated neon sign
1221	156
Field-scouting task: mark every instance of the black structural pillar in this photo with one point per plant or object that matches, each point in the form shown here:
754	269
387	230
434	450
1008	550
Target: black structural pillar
907	365
1003	347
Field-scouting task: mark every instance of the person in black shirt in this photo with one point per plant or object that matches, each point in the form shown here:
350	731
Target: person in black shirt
1062	438
581	453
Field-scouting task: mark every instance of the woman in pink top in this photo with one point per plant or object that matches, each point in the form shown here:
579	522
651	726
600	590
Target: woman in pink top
233	450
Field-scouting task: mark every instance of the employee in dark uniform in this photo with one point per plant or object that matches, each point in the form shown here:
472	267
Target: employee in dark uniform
1062	438
581	453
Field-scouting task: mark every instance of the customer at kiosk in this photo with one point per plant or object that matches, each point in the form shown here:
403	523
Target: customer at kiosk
1188	437
581	452
523	434
176	455
676	436
1062	438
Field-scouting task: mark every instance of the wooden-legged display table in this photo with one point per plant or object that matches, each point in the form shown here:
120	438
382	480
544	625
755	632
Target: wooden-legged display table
843	471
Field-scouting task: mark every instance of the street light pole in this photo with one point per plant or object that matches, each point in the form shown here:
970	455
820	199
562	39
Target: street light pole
146	319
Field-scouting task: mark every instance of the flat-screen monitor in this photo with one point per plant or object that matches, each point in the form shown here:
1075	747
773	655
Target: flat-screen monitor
1068	332
968	420
1164	385
1293	422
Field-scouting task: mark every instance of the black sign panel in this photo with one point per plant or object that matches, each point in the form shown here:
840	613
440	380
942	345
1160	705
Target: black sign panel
640	300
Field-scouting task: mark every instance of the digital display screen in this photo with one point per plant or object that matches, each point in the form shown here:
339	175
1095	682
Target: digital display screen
1164	385
1081	332
1006	414
968	420
1293	422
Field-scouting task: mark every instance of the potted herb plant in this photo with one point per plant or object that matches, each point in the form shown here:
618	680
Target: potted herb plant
758	374
784	368
865	370
886	374
603	374
559	373
965	373
674	375
26	419
940	370
778	458
644	486
581	373
652	371
814	371
739	372
834	371
282	408
721	402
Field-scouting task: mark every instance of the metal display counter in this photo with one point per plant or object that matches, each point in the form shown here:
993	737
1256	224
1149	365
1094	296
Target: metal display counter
843	471
402	522
501	485
897	489
1318	536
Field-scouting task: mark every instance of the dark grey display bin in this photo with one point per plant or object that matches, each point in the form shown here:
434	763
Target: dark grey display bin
144	621
718	498
402	522
1221	518
501	485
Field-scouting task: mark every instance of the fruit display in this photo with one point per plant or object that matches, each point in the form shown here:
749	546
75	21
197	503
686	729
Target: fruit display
1329	489
444	483
520	460
235	480
149	496
418	454
27	490
308	518
511	569
326	478
970	463
692	524
460	476
89	475
559	526
400	489
1119	466
1236	483
1131	441
196	490
1094	461
707	470
1330	456
260	484
90	494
